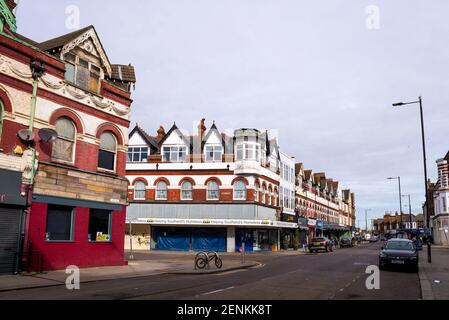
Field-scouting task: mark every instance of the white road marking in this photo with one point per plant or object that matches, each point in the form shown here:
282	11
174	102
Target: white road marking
216	291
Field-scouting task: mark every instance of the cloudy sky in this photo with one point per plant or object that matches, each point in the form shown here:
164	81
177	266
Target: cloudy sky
323	73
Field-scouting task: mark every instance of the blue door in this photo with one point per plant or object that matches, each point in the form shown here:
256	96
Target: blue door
245	236
209	239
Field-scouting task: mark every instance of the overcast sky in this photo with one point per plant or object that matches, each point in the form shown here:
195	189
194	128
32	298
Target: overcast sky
314	70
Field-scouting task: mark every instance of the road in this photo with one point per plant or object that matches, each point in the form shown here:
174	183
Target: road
325	276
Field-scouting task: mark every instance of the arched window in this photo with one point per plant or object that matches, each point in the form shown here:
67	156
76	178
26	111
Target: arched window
1	119
139	191
187	191
161	191
108	150
256	192
213	192
64	145
264	193
239	190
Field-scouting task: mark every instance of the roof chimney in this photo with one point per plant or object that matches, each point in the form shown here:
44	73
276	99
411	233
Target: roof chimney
160	134
202	129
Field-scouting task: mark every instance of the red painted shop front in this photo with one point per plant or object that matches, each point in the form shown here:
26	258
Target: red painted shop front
85	235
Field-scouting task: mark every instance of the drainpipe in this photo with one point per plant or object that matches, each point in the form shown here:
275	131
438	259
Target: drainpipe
37	70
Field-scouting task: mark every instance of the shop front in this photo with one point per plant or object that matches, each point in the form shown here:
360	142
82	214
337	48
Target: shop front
319	228
303	231
189	239
311	223
257	240
221	235
289	236
12	207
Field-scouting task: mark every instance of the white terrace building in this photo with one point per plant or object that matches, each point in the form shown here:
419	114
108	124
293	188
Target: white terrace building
208	191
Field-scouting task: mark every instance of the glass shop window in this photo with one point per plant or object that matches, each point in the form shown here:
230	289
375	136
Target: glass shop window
100	225
59	223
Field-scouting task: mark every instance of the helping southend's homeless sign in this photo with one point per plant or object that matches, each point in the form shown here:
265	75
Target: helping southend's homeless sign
220	222
10	185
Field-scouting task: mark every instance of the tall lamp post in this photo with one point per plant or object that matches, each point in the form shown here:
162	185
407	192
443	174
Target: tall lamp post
410	209
366	219
400	104
400	196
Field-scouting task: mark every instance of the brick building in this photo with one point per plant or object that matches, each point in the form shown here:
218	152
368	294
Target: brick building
206	191
329	210
65	108
218	191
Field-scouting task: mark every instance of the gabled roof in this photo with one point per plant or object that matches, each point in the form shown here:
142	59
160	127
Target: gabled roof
308	174
298	168
187	140
65	41
212	130
151	141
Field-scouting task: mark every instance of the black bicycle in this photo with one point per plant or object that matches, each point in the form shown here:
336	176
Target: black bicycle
203	260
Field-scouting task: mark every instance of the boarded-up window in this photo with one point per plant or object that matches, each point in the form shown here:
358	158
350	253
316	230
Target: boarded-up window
108	148
82	77
63	146
94	81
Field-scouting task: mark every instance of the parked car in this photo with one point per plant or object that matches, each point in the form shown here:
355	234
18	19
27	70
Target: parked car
346	243
374	239
321	244
401	253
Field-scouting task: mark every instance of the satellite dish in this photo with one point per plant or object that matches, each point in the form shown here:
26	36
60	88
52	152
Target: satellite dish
47	135
26	135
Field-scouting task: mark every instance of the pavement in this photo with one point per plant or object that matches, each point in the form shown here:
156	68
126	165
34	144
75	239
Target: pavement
340	275
143	264
434	277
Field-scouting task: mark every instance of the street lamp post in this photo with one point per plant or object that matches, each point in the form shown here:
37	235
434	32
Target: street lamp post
400	104
366	220
400	197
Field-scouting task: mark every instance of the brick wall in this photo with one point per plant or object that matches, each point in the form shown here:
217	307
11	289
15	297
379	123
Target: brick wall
59	181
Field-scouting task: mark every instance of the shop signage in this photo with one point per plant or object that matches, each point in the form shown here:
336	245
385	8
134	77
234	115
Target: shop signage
312	223
220	222
319	224
10	188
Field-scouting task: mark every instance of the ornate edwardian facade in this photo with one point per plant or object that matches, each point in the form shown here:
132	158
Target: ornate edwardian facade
66	109
330	211
205	191
220	191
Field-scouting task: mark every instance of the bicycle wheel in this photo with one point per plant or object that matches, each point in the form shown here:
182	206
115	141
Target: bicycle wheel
218	263
201	263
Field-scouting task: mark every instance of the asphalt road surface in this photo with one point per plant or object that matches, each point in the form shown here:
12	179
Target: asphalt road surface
325	276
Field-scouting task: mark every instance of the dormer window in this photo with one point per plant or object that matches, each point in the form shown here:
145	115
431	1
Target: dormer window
175	154
82	73
214	153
